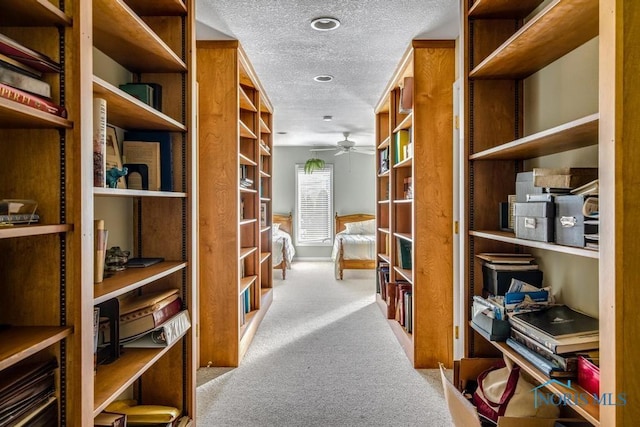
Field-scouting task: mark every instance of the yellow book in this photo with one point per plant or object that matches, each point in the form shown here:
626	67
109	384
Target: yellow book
402	140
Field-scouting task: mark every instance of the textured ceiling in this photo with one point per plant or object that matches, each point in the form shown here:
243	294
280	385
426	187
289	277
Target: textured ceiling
361	54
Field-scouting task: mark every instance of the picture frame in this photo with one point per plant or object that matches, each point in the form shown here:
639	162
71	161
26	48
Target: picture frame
263	214
113	156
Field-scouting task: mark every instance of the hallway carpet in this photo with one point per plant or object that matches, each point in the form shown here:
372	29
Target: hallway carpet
323	356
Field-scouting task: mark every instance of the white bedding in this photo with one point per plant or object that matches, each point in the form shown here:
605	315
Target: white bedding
279	238
356	246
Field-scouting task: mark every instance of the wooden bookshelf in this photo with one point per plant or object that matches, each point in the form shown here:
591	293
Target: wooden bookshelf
235	263
429	121
28	340
501	50
559	28
15	114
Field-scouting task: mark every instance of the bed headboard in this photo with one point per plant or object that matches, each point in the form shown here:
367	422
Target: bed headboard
285	221
343	219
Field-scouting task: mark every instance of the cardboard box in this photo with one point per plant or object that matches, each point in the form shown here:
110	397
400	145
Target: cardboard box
524	186
563	177
535	221
570	226
464	414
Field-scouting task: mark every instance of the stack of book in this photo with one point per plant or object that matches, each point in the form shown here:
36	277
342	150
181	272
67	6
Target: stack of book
245	181
549	339
21	76
28	394
404	311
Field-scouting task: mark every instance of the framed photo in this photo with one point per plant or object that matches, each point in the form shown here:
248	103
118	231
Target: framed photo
114	159
263	214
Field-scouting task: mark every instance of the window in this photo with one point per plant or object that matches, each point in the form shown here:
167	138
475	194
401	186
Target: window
314	206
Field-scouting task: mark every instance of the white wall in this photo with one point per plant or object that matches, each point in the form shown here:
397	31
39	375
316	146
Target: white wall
566	90
354	185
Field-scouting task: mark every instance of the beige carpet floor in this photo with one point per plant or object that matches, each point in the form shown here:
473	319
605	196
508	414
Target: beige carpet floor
323	356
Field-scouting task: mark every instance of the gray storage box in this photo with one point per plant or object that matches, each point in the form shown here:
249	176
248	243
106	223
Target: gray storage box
570	222
524	186
535	220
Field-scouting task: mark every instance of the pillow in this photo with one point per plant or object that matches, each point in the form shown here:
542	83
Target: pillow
361	227
276	226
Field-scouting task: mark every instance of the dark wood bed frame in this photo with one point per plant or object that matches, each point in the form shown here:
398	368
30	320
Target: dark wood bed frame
351	264
286	224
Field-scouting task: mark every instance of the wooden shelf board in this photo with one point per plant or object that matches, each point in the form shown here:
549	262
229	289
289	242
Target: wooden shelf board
119	192
385	258
383	202
113	379
132	278
248	319
7	232
406	274
247	221
558	29
264	128
126	111
244	160
158	7
247	281
245	132
405	236
19	342
406	163
245	252
264	174
503	9
404	338
591	411
32	13
382	305
14	115
253	320
265	199
384	144
245	102
267	228
578	133
507	237
403	201
383	230
264	152
264	256
384	174
126	38
406	123
247	190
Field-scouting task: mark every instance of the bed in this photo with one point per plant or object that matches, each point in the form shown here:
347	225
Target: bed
354	247
282	249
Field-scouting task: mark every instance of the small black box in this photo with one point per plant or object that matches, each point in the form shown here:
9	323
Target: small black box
497	282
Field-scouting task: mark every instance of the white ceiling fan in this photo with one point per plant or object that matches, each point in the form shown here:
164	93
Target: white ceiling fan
346	146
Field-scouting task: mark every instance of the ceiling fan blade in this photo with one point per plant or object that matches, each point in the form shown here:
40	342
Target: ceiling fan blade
369	153
323	149
340	153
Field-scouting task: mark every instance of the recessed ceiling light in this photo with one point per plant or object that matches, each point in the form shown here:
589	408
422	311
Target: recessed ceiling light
281	133
327	118
323	78
325	24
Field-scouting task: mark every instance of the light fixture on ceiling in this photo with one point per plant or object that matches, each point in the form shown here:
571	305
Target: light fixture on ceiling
281	133
327	118
323	78
325	24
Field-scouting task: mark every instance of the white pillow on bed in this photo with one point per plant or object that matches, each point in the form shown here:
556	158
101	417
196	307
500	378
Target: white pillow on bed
361	227
276	226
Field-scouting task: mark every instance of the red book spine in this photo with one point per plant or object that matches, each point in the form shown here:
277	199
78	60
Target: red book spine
34	101
167	312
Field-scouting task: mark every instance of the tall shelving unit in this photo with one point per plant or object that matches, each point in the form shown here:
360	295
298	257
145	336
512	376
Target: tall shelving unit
504	44
39	268
235	117
154	44
425	220
48	268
